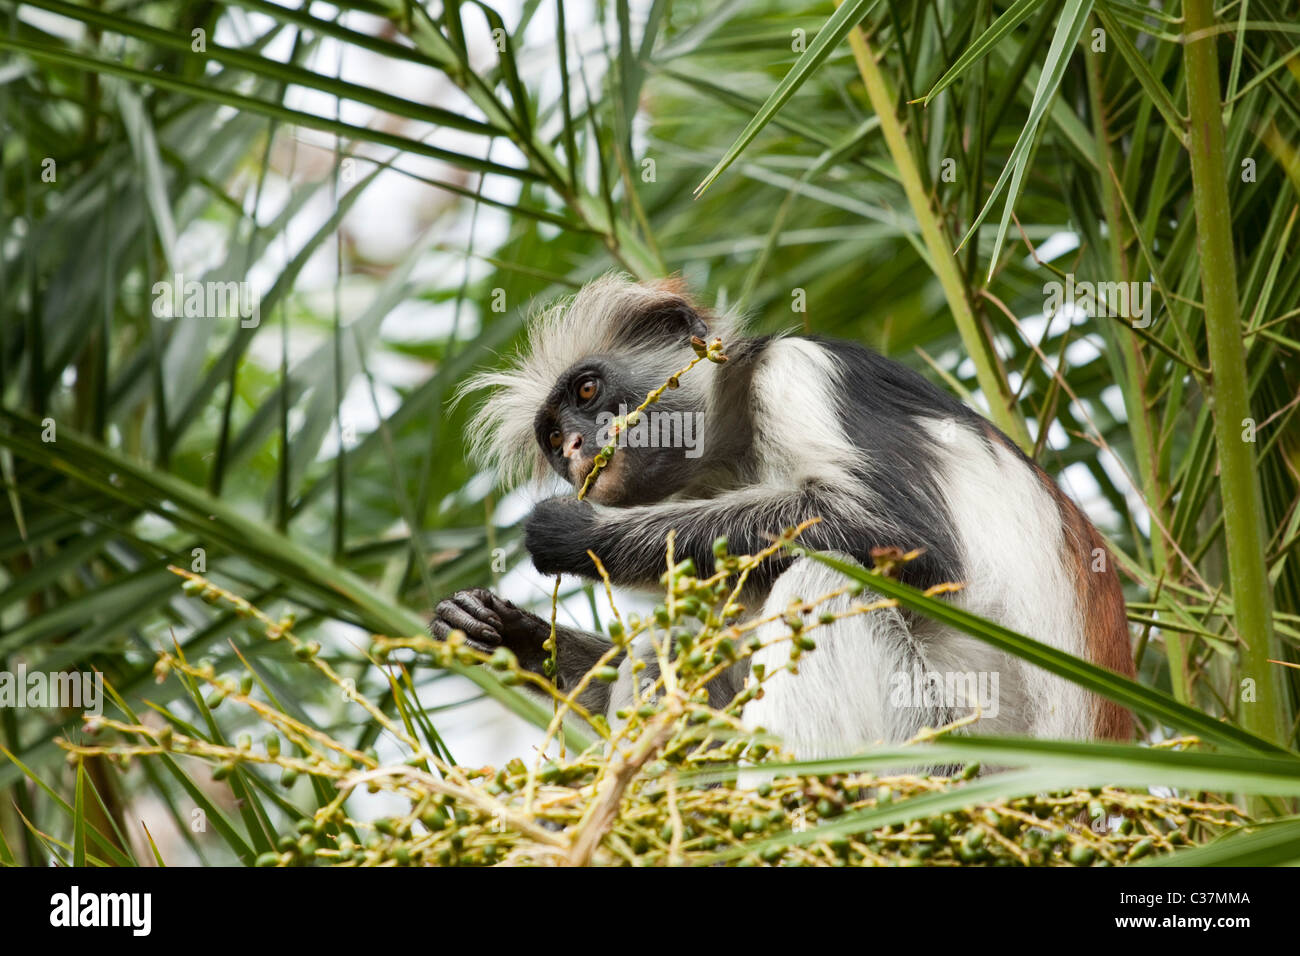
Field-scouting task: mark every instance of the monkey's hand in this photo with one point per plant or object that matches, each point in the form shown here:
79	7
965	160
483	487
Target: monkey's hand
558	534
490	622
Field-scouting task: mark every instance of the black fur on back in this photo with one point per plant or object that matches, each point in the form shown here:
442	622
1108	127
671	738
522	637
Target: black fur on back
883	402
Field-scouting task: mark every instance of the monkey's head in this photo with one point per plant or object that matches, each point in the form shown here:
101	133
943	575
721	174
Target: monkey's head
591	359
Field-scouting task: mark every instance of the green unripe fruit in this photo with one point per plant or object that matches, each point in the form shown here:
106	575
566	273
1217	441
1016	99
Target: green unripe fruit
1081	855
1140	849
433	819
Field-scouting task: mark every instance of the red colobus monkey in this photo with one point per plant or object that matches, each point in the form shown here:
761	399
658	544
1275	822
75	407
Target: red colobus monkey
788	429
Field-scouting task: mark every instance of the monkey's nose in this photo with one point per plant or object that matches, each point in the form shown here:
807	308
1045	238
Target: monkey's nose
572	445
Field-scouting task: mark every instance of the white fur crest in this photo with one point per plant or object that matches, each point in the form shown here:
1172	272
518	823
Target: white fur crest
591	322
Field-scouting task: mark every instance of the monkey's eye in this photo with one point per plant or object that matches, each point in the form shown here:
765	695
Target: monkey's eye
555	438
588	388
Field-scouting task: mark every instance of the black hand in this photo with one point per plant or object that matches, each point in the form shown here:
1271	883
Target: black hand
489	622
558	534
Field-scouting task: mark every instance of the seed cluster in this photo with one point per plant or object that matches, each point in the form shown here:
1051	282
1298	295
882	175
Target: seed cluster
659	788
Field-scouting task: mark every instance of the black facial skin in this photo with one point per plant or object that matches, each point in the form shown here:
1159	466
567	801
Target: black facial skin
571	430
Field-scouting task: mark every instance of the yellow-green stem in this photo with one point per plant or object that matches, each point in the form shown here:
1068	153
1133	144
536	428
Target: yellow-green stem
1243	513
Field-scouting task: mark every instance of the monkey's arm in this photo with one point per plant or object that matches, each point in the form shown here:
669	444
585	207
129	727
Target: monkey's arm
630	542
490	622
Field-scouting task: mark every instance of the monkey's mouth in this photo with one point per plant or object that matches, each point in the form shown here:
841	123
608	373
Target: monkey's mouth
580	470
604	487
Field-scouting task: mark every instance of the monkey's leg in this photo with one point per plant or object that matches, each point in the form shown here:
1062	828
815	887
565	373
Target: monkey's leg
855	688
490	622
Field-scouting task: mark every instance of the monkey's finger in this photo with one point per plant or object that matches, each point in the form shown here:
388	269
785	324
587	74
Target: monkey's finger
479	608
440	629
492	601
483	647
457	617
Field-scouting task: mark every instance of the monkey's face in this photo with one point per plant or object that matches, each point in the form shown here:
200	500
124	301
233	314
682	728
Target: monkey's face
575	424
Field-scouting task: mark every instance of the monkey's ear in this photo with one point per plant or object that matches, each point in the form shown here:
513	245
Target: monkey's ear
667	319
